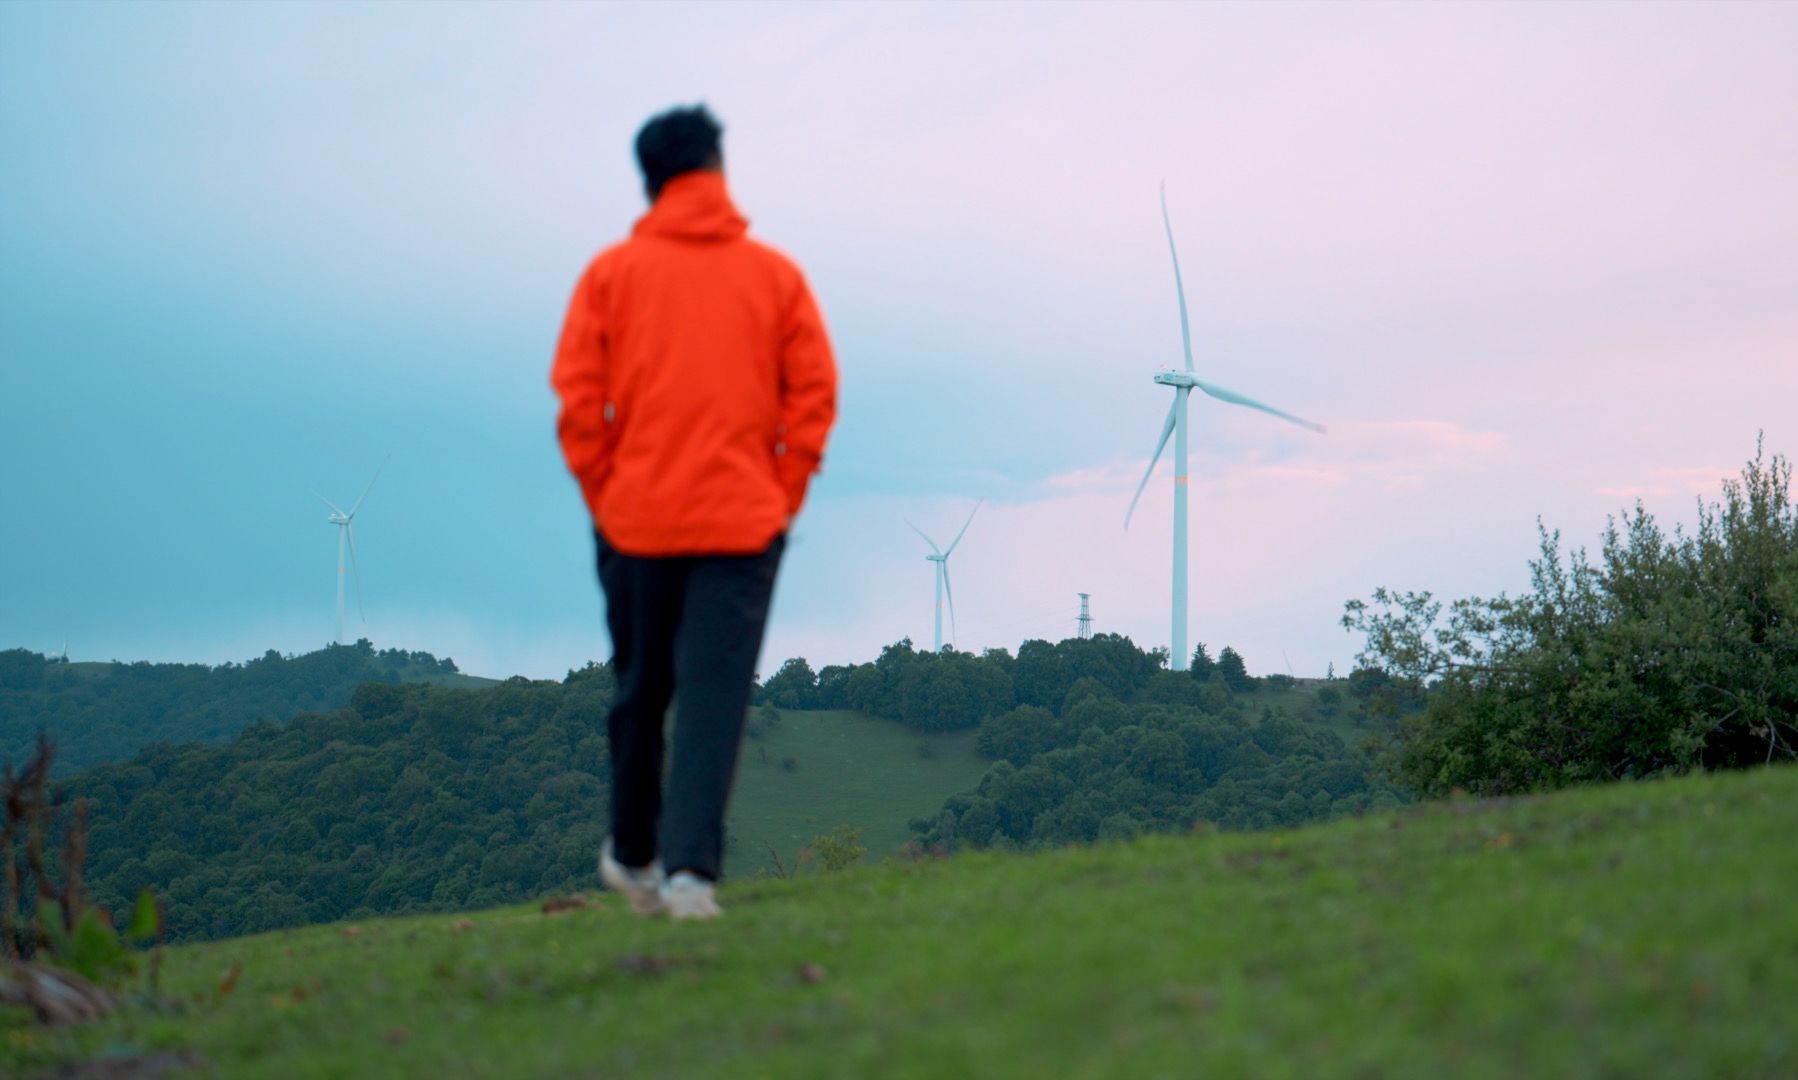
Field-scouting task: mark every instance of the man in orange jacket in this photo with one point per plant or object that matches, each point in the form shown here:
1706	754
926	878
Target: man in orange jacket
697	388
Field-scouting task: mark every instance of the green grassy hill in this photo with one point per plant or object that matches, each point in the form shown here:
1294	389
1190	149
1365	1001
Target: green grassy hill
848	769
1633	930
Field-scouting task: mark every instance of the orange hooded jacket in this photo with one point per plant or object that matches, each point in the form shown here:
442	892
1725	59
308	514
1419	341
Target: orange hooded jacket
696	381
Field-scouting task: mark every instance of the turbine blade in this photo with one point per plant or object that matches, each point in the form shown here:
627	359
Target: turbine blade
1235	398
1167	429
1179	286
964	529
950	593
328	502
371	485
927	539
355	572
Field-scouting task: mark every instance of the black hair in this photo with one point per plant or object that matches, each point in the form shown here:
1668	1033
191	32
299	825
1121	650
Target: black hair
678	141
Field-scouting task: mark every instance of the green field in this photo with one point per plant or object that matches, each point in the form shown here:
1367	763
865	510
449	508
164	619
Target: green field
848	769
1300	702
1633	930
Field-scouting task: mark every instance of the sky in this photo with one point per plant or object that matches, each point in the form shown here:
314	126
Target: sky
1525	261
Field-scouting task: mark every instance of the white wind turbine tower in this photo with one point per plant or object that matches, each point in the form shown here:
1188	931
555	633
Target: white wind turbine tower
1183	383
941	558
346	538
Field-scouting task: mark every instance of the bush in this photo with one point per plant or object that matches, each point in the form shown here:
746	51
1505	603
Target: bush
762	721
1667	654
839	850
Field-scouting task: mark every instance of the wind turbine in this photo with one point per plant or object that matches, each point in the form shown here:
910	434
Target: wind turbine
941	558
346	538
1184	382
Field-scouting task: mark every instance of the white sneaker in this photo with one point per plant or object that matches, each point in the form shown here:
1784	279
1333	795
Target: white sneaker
642	887
688	896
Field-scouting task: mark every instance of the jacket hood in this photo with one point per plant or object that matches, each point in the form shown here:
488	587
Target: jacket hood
693	206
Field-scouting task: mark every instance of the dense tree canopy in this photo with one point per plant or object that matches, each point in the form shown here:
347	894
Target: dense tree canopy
950	690
794	686
412	798
1180	754
1669	653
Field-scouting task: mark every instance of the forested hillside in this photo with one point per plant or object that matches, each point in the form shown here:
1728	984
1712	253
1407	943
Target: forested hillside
105	712
1095	737
416	798
1104	769
411	798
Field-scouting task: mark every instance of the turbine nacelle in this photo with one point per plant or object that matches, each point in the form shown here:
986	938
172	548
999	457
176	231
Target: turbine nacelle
1177	378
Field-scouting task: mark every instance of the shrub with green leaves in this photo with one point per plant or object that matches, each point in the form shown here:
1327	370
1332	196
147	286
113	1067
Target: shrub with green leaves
1666	654
45	914
839	850
93	948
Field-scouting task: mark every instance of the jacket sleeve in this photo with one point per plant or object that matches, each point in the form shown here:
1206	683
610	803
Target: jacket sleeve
578	377
808	394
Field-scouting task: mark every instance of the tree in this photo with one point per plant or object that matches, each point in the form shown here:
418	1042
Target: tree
1019	734
1666	654
833	684
1040	675
1112	659
794	686
864	689
1233	672
1202	666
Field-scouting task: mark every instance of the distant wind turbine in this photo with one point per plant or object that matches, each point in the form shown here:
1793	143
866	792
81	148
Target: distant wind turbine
346	538
941	558
1183	383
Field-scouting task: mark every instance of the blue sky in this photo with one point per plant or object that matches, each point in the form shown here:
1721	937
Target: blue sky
1523	260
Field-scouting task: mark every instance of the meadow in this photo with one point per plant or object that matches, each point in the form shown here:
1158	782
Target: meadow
1628	930
848	770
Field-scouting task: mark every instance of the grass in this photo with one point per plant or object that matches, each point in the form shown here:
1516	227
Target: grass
453	680
848	769
1300	703
876	775
1633	930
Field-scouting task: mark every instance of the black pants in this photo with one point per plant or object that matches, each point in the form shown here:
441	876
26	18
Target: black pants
685	629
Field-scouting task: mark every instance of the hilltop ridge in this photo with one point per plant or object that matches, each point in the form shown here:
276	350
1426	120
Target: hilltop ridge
98	712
